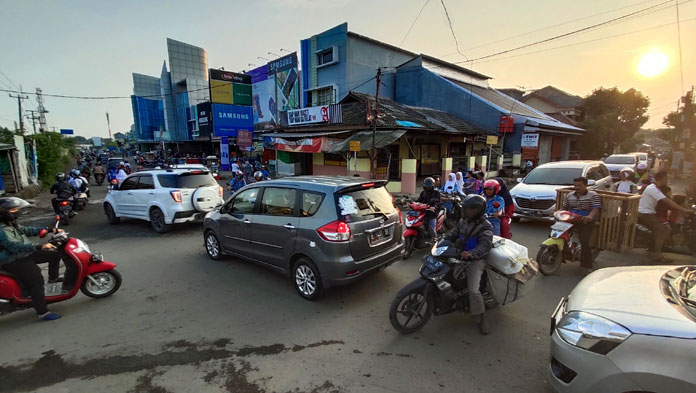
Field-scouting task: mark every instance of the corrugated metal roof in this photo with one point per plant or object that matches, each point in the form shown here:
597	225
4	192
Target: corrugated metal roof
500	100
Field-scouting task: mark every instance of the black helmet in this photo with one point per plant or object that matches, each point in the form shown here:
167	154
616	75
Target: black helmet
474	206
428	183
10	203
60	176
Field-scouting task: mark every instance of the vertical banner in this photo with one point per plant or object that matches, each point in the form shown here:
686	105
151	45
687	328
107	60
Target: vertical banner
224	153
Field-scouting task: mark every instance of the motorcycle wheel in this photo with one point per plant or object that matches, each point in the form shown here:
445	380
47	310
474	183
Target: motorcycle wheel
549	259
64	219
410	310
108	283
408	247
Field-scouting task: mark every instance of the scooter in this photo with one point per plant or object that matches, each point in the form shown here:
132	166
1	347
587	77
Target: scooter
99	178
82	199
683	243
65	210
96	277
561	246
416	233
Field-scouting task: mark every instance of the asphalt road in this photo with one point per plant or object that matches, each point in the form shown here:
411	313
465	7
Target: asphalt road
184	323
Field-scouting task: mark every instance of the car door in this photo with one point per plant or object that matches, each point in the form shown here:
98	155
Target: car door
143	195
236	219
124	196
274	229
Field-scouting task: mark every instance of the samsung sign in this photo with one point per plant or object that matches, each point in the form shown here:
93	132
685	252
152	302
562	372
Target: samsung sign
282	64
229	119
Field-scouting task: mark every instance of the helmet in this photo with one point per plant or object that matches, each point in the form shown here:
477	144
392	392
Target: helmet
492	184
60	176
628	170
642	166
75	172
258	175
474	206
428	183
10	203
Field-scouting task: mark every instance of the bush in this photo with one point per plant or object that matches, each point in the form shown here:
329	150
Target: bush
53	153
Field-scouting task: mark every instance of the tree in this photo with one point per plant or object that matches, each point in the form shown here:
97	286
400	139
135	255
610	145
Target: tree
682	125
611	118
53	154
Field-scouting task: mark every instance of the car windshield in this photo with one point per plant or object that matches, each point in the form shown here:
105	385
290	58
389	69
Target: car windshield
553	176
364	204
186	180
620	160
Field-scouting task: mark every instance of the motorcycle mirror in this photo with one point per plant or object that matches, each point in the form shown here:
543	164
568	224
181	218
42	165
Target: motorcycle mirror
43	233
519	179
591	182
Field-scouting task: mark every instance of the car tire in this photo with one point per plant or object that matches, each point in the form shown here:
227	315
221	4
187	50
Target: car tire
212	245
307	279
157	221
111	215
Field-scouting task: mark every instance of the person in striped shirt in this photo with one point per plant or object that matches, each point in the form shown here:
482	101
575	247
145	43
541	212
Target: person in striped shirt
587	204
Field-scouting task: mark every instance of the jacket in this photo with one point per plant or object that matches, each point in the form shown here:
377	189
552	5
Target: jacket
431	198
476	237
14	243
63	189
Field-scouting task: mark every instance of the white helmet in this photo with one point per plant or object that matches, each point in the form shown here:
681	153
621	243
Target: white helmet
642	166
627	170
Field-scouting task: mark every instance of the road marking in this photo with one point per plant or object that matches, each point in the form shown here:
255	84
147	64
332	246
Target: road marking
96	201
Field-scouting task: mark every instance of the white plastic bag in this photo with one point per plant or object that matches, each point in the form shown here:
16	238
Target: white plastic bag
507	256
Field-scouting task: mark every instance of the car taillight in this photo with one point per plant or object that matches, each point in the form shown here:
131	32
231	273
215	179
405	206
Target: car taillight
176	195
222	192
337	231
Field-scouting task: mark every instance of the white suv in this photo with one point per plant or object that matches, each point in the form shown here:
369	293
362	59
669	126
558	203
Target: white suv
164	197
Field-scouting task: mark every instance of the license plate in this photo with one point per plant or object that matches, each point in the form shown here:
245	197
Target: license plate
433	264
379	235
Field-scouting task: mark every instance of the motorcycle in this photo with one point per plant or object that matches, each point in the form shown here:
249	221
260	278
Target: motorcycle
82	199
561	246
99	178
96	277
683	242
86	175
65	210
455	213
416	233
437	291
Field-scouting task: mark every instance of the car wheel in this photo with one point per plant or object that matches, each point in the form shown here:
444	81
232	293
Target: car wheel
212	245
111	215
157	221
307	279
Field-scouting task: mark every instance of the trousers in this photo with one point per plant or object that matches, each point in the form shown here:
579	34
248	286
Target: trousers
474	271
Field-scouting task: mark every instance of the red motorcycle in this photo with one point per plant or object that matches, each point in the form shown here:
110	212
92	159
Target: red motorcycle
95	277
416	233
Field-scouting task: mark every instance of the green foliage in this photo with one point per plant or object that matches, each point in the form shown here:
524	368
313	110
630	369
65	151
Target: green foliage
611	118
7	136
678	121
53	153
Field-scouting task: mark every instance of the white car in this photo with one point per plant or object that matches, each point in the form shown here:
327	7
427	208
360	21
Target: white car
616	162
164	197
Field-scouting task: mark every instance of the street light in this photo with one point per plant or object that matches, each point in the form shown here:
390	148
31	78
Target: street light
262	58
271	53
285	50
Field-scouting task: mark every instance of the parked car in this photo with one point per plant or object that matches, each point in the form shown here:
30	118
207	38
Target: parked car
616	162
164	197
321	231
627	329
535	195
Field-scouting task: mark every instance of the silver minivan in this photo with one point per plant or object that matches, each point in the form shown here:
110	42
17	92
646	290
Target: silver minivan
321	231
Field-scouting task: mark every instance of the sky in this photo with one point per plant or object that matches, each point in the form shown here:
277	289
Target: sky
91	48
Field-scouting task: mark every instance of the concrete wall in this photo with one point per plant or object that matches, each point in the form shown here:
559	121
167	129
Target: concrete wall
330	75
363	59
540	105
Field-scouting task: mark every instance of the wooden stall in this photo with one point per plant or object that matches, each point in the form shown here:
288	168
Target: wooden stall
616	227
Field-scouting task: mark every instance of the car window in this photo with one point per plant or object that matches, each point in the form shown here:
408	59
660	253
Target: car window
364	204
146	183
193	179
244	202
130	183
628	160
553	176
603	171
310	203
278	201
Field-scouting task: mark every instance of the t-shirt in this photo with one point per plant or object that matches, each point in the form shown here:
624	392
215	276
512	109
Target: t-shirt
649	199
625	186
582	204
491	208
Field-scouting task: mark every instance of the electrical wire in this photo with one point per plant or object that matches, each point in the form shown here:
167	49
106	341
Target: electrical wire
414	23
449	21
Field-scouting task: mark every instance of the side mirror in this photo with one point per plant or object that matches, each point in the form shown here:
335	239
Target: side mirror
43	233
519	179
591	182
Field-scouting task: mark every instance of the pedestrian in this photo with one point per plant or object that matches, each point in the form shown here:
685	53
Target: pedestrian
235	166
248	170
587	204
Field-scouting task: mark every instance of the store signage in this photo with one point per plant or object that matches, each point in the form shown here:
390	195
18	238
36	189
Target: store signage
491	140
282	64
230	88
315	114
229	119
354	145
224	153
530	141
244	138
507	124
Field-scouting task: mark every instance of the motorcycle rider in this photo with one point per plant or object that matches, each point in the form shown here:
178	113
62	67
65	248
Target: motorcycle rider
121	175
643	177
431	197
98	170
63	190
587	204
509	209
258	176
625	183
236	182
19	256
79	182
474	236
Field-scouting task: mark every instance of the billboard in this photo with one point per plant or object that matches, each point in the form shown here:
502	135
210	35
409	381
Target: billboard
229	119
314	114
275	88
230	88
263	97
286	81
96	141
204	121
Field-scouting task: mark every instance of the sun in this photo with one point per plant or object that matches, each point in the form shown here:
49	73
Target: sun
652	63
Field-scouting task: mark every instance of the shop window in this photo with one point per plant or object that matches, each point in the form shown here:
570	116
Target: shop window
334	159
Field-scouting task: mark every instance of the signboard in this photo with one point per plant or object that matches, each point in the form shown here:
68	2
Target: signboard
230	88
354	145
96	141
244	139
530	141
263	98
491	140
66	131
204	121
507	124
283	64
286	75
314	114
224	154
229	119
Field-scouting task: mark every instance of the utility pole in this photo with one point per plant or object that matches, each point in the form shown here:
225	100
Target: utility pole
108	124
42	111
373	155
19	98
33	118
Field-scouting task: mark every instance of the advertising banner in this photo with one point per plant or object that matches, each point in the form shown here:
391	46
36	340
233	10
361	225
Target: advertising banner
314	114
229	119
244	139
530	141
230	88
263	97
66	131
204	121
224	154
306	145
283	64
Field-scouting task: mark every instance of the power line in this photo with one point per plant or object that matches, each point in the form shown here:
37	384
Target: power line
681	67
449	21
414	22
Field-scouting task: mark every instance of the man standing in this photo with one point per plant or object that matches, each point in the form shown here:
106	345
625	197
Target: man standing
587	204
648	216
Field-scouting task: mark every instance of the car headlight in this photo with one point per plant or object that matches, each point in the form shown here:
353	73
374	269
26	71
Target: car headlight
591	332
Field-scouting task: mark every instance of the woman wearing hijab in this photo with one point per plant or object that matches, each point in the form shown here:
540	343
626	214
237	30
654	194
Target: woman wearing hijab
460	183
449	189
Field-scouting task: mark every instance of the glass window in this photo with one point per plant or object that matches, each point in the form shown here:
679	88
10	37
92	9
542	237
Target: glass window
594	174
310	203
130	183
244	202
146	183
278	201
325	57
194	179
553	176
364	204
628	160
324	96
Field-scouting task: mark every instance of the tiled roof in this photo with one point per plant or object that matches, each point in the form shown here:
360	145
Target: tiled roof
557	96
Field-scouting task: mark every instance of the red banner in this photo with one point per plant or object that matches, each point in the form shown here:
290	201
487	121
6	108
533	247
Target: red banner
306	145
507	124
244	138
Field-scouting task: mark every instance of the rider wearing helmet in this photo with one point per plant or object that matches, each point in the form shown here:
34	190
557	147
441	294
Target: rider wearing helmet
625	183
643	177
20	256
474	236
236	182
431	197
63	190
258	176
495	204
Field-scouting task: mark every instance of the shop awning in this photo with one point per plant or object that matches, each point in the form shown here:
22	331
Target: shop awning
382	139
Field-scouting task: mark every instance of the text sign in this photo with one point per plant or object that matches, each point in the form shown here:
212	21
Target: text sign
491	140
315	114
66	131
354	145
530	140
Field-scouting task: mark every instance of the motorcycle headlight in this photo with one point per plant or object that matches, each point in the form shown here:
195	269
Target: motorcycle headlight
591	332
437	251
82	247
